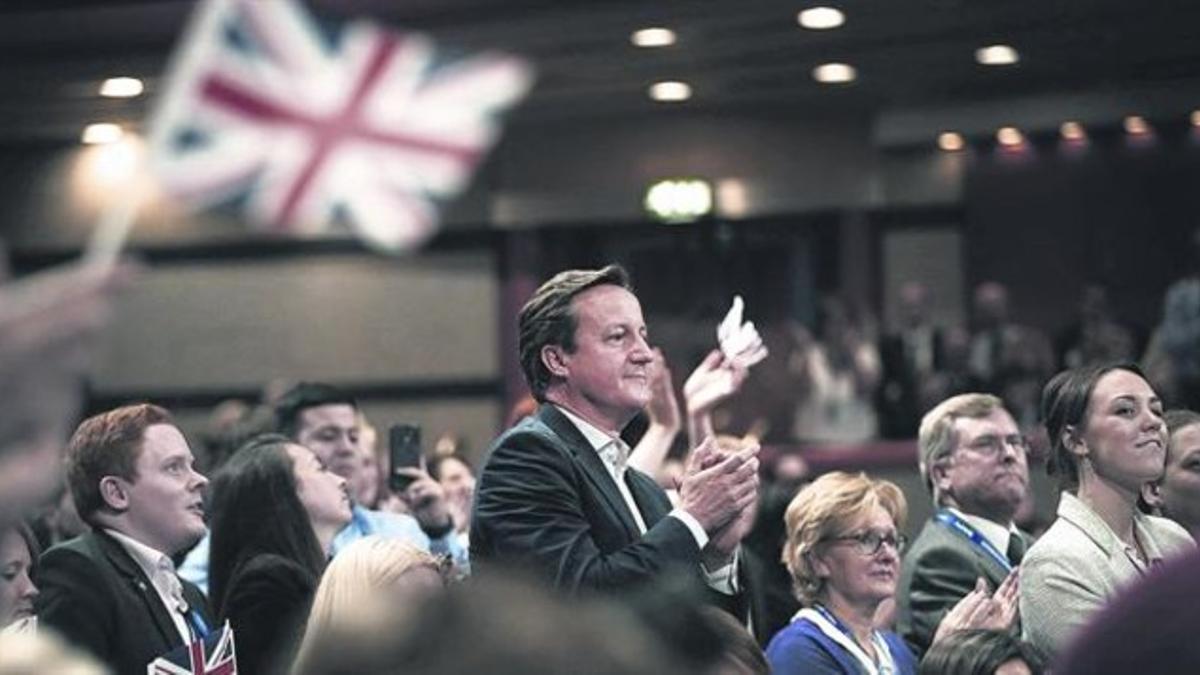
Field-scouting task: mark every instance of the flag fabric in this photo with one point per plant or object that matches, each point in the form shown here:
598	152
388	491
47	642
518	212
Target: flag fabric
306	126
210	655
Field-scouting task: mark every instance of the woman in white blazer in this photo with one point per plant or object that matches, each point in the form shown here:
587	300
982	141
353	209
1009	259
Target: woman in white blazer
1108	439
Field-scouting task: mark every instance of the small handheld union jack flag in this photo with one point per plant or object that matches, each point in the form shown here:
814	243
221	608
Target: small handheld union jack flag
307	128
212	655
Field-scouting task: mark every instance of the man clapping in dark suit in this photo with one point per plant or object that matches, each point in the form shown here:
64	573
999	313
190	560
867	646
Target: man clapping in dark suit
972	458
556	498
114	591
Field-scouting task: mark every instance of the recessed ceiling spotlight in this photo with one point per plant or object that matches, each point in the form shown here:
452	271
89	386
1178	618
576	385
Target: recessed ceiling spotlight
121	87
821	18
1136	125
834	73
653	37
670	91
1072	131
951	141
1009	137
97	134
996	55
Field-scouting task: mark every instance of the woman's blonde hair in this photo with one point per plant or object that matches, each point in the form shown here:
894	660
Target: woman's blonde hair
353	582
825	508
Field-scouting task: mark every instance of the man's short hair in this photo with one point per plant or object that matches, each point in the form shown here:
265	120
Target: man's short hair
108	444
937	437
548	319
302	397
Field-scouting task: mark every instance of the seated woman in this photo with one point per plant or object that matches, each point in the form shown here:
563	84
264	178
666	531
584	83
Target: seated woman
18	555
843	551
1106	428
274	512
363	572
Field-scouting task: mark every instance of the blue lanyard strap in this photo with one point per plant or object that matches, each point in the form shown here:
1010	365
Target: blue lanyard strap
199	627
959	526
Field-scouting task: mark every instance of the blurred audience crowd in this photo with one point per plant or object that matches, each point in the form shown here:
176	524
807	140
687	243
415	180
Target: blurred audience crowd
626	521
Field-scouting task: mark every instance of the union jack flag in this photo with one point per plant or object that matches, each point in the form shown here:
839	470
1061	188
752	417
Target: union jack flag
213	655
307	127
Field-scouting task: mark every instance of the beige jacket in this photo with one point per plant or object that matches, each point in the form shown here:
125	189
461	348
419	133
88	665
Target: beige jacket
1079	564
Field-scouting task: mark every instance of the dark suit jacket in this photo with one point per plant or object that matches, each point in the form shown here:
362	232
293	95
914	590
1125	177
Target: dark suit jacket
546	504
98	598
267	604
939	569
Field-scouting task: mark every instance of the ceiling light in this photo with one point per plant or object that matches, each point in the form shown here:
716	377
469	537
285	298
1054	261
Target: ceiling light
951	141
821	18
94	134
679	200
833	73
653	37
121	87
1009	137
996	55
1196	118
1136	125
1072	131
670	91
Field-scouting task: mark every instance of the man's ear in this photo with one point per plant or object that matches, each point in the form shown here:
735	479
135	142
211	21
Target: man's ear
114	493
939	475
555	360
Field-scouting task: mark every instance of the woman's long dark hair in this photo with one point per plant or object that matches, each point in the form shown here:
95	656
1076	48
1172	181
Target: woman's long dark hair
255	510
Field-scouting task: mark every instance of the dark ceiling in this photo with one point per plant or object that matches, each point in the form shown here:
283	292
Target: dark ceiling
738	55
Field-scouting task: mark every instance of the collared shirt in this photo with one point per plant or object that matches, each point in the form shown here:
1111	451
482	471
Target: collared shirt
996	534
161	572
614	454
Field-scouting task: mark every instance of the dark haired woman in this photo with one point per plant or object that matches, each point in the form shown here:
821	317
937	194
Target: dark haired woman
275	510
1105	424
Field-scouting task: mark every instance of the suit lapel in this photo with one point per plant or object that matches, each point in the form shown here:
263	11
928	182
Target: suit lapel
142	587
648	496
591	464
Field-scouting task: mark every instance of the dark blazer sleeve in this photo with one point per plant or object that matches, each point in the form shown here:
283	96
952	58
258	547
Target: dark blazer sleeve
534	507
267	604
74	601
942	575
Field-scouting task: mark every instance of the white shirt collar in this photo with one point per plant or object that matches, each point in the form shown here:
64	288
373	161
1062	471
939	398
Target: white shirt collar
996	534
158	567
613	451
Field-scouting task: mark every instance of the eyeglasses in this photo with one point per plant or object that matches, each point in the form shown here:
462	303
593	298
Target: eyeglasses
992	444
870	542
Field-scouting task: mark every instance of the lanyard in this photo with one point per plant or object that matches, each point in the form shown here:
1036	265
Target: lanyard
972	535
841	634
196	623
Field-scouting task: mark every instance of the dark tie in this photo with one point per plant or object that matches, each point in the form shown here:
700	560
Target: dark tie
1016	548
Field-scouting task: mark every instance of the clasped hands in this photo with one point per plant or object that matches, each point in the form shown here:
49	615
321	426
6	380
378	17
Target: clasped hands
719	488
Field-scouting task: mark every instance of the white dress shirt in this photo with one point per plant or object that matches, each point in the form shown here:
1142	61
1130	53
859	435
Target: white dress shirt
614	454
161	572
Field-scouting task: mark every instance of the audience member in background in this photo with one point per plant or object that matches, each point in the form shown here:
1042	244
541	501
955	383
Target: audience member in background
1172	357
275	511
57	521
494	626
1149	627
911	356
1105	424
1096	336
365	483
843	550
556	497
649	454
843	372
972	460
1006	358
18	553
980	652
773	602
49	328
369	568
324	419
457	478
1178	490
113	591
